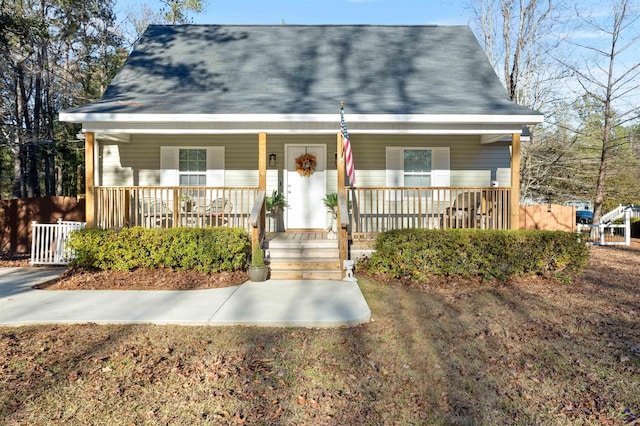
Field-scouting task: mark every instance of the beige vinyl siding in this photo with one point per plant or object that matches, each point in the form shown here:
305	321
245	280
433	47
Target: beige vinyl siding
471	163
138	162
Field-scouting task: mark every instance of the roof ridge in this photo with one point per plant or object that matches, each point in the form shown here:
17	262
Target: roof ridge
311	25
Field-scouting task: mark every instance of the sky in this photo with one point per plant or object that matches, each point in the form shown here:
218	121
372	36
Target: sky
386	12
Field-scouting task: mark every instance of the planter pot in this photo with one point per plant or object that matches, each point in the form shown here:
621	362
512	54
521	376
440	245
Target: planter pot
258	273
332	233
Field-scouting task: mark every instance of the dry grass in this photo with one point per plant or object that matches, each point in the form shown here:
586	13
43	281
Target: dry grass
530	352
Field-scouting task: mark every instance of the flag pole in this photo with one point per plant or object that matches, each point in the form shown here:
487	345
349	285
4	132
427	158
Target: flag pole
354	201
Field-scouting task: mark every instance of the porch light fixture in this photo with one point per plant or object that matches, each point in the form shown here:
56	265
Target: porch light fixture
272	160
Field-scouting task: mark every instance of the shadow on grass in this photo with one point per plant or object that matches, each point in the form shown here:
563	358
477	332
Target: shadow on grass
532	353
526	353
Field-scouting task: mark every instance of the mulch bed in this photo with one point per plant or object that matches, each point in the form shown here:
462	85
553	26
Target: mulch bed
15	260
142	279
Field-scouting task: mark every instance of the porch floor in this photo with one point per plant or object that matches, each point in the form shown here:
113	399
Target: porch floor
296	236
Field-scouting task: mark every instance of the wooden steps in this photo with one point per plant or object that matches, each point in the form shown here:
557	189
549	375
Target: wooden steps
296	257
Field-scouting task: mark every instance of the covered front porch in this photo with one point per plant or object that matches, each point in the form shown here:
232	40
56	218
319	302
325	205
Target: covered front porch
362	212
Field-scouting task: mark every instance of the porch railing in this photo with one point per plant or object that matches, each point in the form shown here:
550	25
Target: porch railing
167	207
375	210
371	210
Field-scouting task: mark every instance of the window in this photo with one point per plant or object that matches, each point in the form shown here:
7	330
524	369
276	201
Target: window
417	167
192	167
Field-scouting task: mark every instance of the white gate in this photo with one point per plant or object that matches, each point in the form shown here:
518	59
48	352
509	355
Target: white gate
49	242
606	234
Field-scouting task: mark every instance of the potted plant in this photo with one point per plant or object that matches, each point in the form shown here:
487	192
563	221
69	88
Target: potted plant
186	202
275	206
258	271
331	203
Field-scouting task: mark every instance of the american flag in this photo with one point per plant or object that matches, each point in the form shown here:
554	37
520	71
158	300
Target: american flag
347	148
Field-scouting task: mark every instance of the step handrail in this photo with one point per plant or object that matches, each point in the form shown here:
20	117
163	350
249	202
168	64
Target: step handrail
614	214
257	220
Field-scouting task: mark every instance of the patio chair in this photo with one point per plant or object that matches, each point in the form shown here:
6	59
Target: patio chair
217	211
155	213
463	211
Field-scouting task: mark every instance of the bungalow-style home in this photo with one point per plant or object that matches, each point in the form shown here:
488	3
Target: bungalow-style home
203	122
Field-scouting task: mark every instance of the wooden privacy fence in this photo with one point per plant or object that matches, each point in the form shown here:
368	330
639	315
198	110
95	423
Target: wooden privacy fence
16	216
548	217
49	242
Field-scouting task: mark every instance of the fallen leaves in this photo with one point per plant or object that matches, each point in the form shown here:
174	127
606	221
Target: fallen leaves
144	279
523	352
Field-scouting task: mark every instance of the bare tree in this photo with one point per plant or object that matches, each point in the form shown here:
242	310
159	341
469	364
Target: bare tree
172	12
516	36
177	11
612	88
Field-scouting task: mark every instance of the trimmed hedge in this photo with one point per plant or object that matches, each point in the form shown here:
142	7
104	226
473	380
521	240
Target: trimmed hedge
206	250
417	254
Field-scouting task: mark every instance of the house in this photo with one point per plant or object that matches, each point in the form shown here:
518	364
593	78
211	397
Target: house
203	121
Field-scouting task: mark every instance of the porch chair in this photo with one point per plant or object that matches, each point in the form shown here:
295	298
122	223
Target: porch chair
464	212
217	211
155	213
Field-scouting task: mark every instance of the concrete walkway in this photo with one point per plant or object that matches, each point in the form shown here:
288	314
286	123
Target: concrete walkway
290	303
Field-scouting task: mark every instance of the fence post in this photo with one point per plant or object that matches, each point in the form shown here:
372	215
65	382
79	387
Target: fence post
34	230
627	227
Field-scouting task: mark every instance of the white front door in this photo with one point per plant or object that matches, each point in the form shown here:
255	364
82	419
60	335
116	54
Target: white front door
306	209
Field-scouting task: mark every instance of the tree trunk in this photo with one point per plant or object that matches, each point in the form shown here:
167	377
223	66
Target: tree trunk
608	117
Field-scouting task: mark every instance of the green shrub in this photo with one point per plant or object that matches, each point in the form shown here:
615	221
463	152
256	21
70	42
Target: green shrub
206	250
417	254
635	227
257	257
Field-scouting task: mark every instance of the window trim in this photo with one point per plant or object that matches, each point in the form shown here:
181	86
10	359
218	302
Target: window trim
169	164
193	173
420	174
440	169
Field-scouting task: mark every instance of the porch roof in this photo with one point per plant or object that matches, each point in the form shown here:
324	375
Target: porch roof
400	75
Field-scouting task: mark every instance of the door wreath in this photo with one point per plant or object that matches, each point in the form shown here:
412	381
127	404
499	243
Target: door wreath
306	164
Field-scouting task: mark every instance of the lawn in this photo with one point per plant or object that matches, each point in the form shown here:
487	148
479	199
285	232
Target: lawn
527	352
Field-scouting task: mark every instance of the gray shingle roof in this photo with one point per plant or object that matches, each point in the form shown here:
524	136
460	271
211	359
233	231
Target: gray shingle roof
234	69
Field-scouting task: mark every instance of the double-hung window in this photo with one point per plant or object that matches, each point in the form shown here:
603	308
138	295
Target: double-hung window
417	167
192	167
